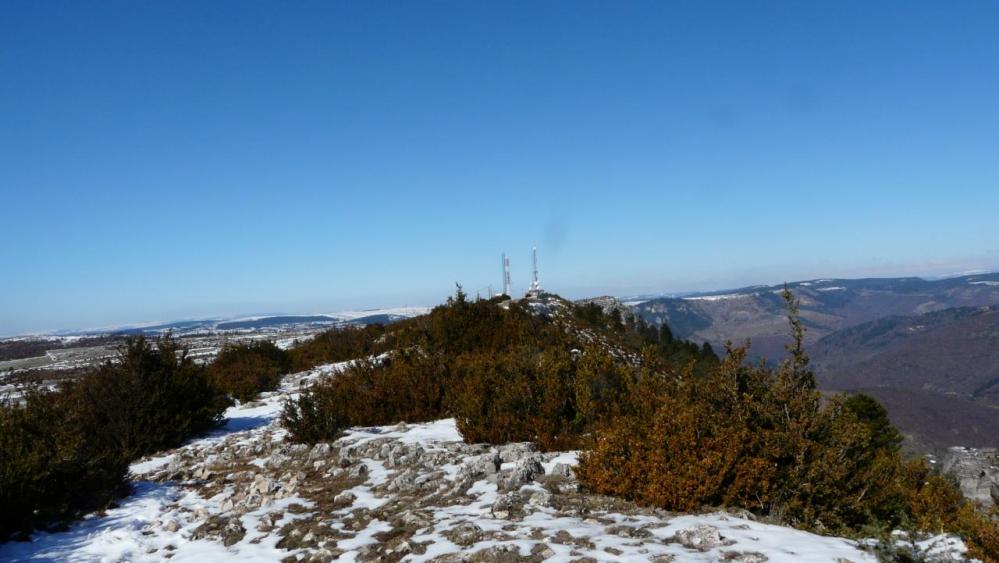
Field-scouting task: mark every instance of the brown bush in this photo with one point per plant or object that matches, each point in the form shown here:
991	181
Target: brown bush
519	395
762	439
503	371
338	344
243	371
743	435
935	504
678	434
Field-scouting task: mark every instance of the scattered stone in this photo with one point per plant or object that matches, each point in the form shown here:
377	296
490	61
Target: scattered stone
498	554
514	452
230	530
509	506
629	532
262	485
524	472
320	450
540	498
464	534
744	557
543	551
562	470
701	537
344	499
486	464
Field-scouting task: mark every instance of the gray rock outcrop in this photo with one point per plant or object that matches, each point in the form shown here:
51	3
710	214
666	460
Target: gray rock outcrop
976	471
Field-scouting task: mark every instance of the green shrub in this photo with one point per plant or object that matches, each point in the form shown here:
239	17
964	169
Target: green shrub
150	399
50	470
405	386
319	415
243	371
66	452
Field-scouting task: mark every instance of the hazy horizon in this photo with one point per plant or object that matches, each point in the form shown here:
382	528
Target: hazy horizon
178	160
435	300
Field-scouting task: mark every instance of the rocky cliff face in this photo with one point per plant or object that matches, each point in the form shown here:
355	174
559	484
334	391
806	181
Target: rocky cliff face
977	472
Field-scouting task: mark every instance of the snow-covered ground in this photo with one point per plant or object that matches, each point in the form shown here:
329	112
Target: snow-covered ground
412	492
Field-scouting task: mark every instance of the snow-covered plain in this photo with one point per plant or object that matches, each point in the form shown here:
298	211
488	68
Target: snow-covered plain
449	499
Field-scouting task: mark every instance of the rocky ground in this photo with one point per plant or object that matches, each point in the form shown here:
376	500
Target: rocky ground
976	471
407	492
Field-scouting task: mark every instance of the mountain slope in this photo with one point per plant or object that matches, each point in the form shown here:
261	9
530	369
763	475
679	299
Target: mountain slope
927	349
953	351
937	373
758	313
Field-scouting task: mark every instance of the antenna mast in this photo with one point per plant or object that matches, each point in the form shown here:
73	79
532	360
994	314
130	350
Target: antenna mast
535	284
506	275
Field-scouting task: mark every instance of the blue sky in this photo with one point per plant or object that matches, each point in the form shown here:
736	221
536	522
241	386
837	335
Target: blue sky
163	160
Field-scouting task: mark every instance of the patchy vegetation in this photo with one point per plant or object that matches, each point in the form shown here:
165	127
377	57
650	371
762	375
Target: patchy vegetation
20	348
338	344
505	372
66	452
663	422
244	371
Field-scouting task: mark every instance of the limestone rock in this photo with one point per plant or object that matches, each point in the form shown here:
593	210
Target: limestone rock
464	534
701	537
976	471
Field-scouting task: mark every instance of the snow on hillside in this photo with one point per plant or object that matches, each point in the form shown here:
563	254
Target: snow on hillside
717	297
411	492
395	311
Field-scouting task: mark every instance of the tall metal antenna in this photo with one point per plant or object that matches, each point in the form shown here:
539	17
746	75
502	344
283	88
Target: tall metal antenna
506	275
535	284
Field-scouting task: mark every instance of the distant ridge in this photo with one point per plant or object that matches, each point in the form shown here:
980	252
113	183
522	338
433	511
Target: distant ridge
240	323
927	348
827	305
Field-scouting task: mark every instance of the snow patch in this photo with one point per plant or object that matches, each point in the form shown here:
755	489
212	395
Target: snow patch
716	297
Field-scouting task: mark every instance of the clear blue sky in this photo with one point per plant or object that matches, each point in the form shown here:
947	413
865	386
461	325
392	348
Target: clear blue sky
163	160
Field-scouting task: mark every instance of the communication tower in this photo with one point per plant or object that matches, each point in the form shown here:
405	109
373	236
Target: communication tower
535	290
506	275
